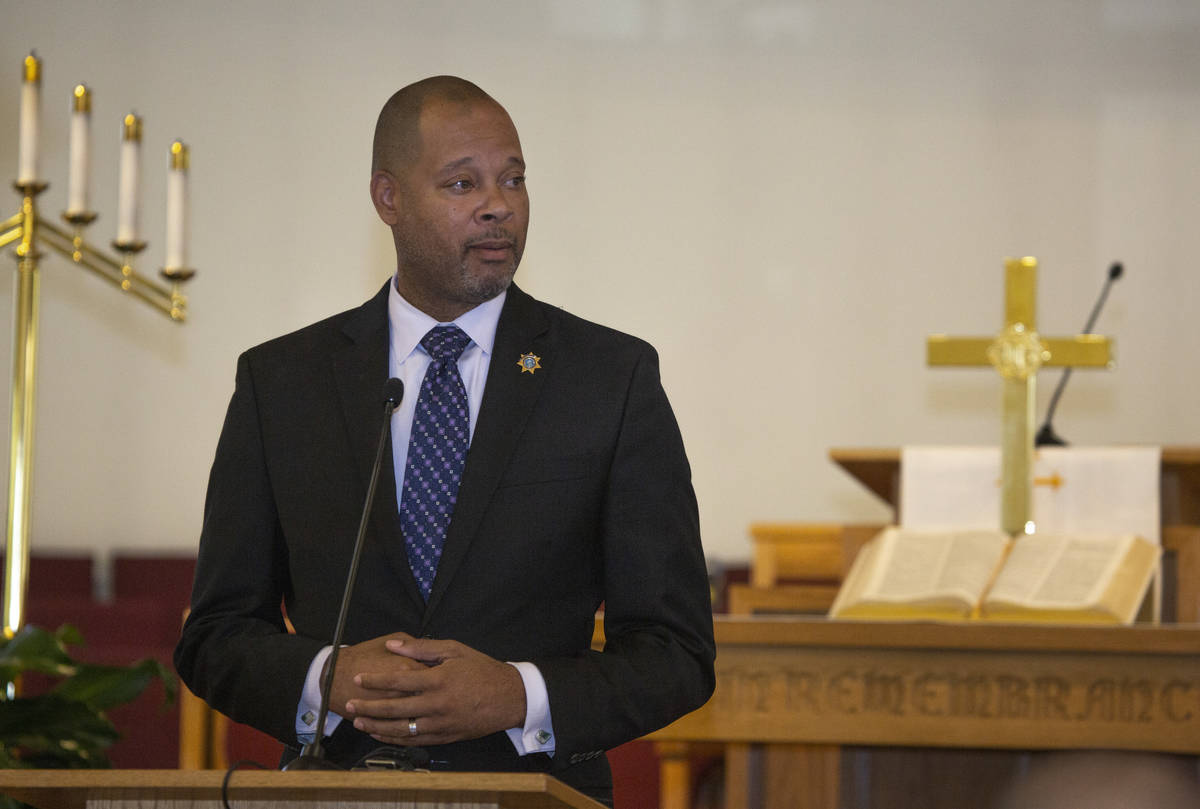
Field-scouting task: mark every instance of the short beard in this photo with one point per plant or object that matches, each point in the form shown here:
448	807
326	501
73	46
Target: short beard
477	289
466	288
480	290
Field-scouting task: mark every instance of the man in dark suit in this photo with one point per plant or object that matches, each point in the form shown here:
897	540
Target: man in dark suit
469	639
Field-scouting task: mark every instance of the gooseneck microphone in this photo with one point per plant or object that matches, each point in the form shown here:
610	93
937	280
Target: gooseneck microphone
1046	435
312	756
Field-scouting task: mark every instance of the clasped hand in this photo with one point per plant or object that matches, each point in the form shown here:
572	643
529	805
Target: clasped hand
450	691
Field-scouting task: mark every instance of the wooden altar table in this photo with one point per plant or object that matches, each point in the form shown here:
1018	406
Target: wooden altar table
817	682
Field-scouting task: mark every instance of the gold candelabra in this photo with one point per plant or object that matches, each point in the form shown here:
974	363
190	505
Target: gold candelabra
31	231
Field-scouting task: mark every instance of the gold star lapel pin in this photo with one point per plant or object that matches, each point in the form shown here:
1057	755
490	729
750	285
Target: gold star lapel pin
529	363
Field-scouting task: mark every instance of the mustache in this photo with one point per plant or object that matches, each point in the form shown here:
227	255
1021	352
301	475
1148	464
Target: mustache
495	235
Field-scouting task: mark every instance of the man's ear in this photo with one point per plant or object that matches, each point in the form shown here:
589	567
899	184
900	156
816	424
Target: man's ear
385	194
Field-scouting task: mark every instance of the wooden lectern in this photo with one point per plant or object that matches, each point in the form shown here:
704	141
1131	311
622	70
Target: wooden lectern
268	789
879	470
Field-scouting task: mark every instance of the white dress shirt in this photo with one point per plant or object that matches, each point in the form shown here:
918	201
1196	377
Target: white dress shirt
408	361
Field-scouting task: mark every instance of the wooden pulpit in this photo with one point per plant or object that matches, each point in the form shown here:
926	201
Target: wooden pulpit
270	789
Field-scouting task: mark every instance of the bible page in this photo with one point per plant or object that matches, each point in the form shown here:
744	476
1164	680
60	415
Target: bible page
1059	572
935	565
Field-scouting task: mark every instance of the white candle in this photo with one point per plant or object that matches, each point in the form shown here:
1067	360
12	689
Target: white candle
130	179
81	151
177	218
31	113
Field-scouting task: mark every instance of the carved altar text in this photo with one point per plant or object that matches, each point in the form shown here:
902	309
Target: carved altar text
957	695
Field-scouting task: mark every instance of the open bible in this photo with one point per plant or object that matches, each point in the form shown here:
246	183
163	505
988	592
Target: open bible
959	575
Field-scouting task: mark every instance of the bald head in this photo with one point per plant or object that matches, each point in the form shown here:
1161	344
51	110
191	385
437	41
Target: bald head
397	132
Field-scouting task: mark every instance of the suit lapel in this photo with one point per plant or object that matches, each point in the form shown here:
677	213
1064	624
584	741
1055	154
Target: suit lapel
507	402
360	371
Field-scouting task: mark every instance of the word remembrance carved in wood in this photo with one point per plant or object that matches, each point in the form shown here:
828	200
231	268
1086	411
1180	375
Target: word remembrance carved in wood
1028	698
956	695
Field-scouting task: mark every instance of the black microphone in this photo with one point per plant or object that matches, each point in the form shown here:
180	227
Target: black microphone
1046	436
312	756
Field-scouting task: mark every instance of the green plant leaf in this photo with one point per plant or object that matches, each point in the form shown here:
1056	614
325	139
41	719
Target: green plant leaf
103	687
66	728
35	649
50	731
68	635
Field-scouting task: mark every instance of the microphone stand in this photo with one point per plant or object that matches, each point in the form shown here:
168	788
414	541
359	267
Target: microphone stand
312	755
1046	435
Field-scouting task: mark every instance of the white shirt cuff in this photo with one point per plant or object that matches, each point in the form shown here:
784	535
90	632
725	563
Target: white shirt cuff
310	702
538	734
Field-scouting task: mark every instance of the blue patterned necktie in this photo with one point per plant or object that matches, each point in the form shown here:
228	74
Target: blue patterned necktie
437	449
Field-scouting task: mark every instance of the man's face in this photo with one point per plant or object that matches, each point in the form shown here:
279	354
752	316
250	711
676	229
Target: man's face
461	209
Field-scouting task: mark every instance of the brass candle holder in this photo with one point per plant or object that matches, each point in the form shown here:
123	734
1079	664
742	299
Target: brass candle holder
30	232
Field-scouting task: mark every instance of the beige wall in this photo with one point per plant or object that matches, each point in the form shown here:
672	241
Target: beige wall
783	197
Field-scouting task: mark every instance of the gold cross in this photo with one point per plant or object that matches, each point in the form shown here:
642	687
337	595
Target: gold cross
1017	353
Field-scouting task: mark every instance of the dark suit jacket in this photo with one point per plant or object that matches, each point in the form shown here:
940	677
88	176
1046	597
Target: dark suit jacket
576	491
